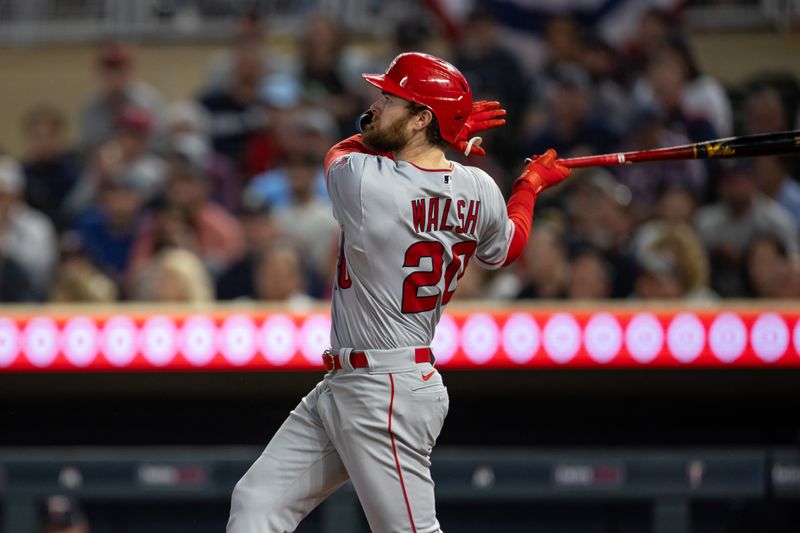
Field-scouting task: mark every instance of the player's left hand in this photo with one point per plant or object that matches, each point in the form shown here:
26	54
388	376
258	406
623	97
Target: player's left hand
485	115
543	172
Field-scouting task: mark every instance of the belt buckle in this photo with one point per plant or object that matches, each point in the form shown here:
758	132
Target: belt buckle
329	361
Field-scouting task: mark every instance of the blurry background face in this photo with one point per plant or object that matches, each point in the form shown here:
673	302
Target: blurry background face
121	205
737	189
768	269
544	255
44	135
302	174
114	79
666	77
279	276
185	188
676	206
570	104
764	112
589	278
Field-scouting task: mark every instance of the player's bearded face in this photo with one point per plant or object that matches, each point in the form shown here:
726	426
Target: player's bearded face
391	138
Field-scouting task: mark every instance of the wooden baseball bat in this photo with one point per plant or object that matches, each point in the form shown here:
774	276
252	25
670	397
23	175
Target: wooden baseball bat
779	143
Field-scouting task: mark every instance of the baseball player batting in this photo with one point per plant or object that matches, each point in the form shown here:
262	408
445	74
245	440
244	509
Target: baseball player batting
411	221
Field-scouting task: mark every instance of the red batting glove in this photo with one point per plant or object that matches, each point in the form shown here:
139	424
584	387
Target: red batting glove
484	116
542	172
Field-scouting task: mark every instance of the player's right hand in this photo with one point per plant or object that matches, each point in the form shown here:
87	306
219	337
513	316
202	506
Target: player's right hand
542	172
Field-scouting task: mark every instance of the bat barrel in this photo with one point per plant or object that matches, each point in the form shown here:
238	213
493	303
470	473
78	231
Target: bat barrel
780	143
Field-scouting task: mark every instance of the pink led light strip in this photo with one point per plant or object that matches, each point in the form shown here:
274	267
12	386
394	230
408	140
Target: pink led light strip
490	339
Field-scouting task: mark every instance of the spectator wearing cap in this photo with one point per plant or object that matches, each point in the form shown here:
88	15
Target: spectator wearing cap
51	169
187	217
128	152
573	127
117	89
235	110
107	229
728	226
27	236
62	514
187	117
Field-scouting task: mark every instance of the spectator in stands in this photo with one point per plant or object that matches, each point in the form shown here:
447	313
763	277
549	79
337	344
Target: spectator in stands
546	269
250	31
653	29
672	264
764	111
279	276
307	133
609	96
107	230
321	74
175	275
769	272
235	109
117	89
775	181
493	73
646	182
77	279
188	218
51	168
573	128
727	227
703	95
599	209
62	514
15	285
27	237
676	205
188	118
127	152
590	276
261	230
664	84
309	221
564	42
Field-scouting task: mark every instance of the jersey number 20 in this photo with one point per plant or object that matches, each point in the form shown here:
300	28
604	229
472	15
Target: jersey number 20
412	302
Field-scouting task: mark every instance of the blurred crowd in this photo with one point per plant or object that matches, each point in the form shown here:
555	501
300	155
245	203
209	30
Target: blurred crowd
222	195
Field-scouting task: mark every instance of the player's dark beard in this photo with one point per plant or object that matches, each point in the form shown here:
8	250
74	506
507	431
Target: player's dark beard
383	142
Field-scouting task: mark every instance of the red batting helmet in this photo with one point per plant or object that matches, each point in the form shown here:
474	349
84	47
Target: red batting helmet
432	82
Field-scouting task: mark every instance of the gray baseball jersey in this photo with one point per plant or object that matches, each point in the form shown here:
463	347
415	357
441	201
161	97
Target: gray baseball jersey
407	235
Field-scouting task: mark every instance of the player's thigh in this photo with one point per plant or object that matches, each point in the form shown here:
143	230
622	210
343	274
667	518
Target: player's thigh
297	470
388	431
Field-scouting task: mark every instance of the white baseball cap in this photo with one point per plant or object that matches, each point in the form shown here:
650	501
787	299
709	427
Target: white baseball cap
12	180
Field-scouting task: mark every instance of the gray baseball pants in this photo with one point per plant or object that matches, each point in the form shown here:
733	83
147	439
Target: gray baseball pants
375	426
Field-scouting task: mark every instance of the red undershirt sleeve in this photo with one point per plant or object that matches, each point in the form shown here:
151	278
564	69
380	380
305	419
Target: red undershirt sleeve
347	146
520	212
